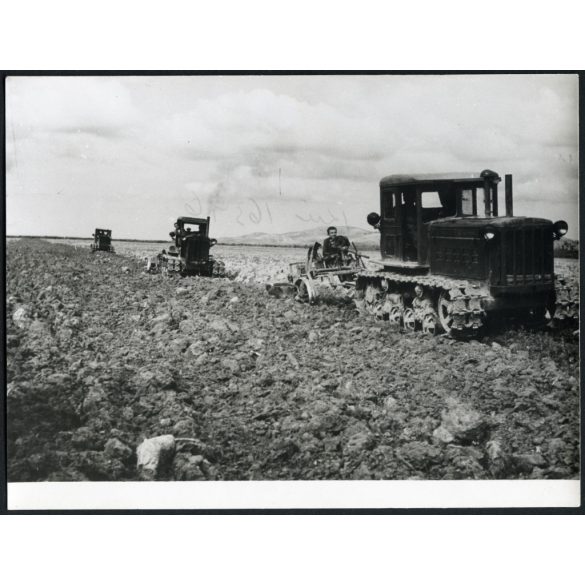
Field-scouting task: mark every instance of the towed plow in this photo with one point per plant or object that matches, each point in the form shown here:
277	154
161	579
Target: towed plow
308	280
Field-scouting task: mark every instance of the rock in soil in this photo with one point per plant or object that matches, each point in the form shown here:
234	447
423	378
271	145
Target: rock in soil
153	455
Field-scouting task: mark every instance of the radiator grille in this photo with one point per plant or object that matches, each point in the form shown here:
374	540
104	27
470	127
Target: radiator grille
527	256
197	249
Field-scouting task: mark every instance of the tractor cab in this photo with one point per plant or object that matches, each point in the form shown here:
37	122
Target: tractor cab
189	227
410	204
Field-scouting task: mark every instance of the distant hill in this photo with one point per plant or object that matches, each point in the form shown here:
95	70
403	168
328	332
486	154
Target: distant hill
363	238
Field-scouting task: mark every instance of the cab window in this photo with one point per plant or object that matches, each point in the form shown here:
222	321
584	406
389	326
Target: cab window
467	196
430	199
437	204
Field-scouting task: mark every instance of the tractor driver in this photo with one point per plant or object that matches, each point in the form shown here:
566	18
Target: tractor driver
177	232
335	248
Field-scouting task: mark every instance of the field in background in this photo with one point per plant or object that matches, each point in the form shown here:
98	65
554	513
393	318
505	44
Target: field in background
141	249
244	263
260	263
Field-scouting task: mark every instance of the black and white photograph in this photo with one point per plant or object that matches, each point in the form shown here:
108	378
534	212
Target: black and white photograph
286	290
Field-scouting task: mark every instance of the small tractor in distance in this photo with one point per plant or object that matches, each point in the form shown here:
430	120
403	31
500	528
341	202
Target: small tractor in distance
450	262
102	241
189	254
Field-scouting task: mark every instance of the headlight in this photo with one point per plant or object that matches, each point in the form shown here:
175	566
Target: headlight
373	219
560	228
489	234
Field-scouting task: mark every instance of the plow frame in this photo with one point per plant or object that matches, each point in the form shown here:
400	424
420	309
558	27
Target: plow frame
305	278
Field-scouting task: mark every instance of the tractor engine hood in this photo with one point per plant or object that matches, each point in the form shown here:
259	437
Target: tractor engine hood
495	222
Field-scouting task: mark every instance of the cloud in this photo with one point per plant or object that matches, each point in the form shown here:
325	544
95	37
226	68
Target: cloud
151	146
100	106
260	122
425	124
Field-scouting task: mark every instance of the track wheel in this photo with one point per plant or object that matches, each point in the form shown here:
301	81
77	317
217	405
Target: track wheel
445	310
373	301
409	320
430	324
395	315
359	297
378	310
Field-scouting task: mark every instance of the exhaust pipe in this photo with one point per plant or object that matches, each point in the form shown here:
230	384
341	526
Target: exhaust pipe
509	193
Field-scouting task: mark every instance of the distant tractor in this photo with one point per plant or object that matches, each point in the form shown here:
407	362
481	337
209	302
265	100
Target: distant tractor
189	254
450	262
102	241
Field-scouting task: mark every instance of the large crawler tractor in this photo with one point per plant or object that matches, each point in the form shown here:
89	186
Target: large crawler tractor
188	255
450	262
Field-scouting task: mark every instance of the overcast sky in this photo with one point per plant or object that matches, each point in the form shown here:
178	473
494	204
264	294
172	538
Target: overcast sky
273	153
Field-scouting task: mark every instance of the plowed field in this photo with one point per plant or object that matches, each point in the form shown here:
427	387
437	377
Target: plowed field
102	356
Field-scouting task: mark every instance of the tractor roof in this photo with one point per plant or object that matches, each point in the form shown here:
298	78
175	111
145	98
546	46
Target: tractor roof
193	220
394	180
